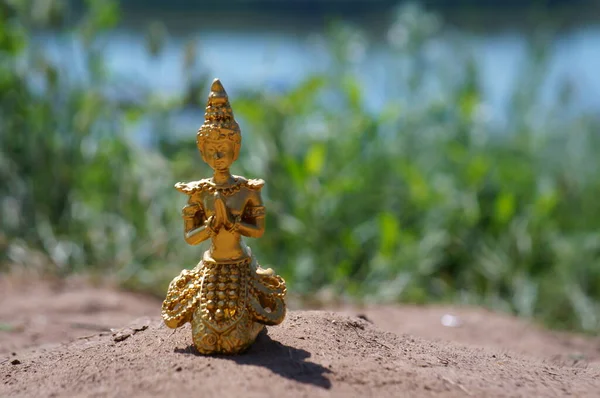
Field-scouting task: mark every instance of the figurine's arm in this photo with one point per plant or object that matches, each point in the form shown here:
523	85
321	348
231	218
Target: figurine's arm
200	234
197	228
252	221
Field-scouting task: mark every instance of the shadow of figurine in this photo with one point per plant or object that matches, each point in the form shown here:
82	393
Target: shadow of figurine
281	359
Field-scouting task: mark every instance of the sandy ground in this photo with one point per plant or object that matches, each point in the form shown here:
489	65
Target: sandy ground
67	339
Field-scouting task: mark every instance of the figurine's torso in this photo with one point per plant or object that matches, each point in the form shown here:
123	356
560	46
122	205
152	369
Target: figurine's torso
226	245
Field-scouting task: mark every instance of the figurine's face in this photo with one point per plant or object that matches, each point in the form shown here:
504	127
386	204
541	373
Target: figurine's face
219	155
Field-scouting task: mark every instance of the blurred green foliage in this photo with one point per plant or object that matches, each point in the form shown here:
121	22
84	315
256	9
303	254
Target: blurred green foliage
423	200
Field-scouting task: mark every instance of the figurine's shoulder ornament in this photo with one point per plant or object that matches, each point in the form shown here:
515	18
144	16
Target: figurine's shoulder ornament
190	188
255	184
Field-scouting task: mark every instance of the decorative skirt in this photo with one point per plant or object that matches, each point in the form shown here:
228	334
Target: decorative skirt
227	303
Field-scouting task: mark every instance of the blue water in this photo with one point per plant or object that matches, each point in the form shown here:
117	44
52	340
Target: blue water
279	60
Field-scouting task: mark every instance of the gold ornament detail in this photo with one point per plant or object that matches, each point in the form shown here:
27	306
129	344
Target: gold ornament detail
228	297
219	122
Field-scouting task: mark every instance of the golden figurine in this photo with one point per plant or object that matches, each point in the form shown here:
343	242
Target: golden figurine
227	297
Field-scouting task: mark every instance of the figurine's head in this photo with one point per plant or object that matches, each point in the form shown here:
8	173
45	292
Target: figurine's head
219	139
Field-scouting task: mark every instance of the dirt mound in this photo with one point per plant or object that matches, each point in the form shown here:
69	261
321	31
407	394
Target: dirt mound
480	327
37	312
313	353
56	340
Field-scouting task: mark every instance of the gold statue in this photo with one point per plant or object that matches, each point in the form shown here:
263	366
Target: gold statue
227	297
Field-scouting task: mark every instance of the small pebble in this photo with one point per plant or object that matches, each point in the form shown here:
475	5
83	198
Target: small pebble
15	362
121	336
451	321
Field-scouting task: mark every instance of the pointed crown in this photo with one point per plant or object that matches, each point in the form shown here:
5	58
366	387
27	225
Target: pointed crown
219	122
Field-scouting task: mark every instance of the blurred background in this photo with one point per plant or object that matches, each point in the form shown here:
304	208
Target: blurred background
434	151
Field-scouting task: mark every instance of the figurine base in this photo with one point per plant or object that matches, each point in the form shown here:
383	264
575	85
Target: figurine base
230	342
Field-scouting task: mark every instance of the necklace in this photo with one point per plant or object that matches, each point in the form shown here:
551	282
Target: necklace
223	190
